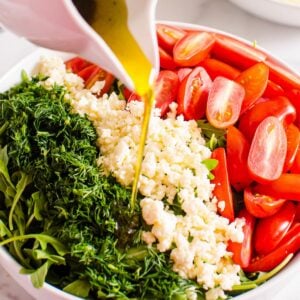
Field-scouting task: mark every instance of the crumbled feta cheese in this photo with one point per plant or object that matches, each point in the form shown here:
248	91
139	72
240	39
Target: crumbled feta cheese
172	170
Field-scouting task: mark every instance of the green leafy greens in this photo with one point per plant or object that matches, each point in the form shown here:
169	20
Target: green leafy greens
60	217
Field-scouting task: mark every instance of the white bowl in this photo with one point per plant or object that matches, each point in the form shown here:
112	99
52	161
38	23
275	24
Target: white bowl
48	292
280	11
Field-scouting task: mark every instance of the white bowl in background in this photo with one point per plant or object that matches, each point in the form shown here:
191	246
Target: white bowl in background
280	11
266	290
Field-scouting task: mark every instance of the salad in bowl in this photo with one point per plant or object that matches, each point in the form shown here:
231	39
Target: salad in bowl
217	212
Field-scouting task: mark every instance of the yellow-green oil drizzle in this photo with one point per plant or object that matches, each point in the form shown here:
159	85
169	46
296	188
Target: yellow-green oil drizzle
109	20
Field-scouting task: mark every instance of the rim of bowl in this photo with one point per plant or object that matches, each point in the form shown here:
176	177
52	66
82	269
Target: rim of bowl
290	3
6	259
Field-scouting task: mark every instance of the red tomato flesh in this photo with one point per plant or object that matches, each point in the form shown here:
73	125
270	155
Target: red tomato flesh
167	36
254	80
282	76
237	149
193	48
273	90
236	53
242	252
261	206
183	72
295	168
286	187
217	68
193	93
76	64
166	88
279	107
224	102
293	141
166	60
294	97
222	190
267	151
270	231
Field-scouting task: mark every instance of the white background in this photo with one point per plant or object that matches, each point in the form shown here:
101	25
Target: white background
282	41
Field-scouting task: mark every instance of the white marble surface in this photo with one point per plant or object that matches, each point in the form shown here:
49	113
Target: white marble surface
283	41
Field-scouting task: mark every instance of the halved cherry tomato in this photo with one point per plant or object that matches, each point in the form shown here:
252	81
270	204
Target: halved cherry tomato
294	97
76	64
193	48
166	88
166	60
267	151
273	90
286	186
297	218
167	36
279	107
242	252
224	102
254	80
89	71
282	76
236	53
270	231
295	168
293	231
289	244
293	141
101	75
222	190
237	149
261	206
216	68
193	93
183	72
134	97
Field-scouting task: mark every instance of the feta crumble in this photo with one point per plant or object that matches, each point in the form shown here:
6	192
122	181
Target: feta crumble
172	170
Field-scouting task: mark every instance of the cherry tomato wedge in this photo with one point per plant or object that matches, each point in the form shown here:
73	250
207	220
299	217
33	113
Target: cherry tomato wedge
237	149
183	72
166	60
101	75
295	168
89	71
282	76
242	252
289	244
270	231
193	48
166	88
273	90
254	80
294	97
267	151
167	36
217	68
222	190
261	206
286	187
297	218
236	53
193	93
224	102
279	107
293	141
77	64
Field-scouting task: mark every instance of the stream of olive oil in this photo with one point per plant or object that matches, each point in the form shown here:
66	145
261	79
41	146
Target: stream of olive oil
109	20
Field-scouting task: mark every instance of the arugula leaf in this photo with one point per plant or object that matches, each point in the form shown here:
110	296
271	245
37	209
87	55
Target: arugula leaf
215	137
21	185
79	288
